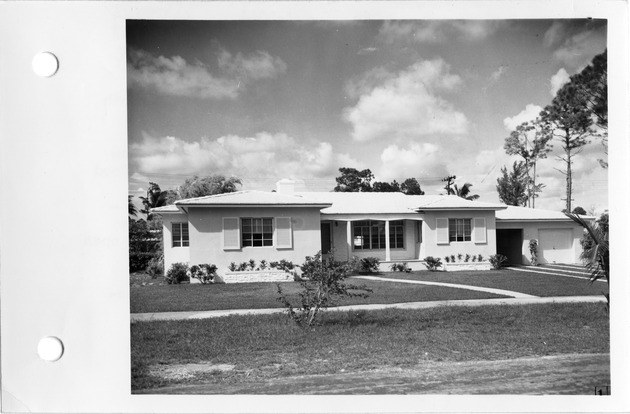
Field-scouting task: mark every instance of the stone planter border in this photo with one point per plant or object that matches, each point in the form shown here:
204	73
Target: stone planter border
462	266
249	276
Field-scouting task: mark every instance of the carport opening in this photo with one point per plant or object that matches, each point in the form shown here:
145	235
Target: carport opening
510	244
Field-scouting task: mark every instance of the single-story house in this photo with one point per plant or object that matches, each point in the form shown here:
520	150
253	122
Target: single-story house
394	227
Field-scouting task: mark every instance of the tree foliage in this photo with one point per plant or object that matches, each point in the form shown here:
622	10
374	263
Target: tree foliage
205	186
531	141
411	186
512	186
155	198
595	247
132	210
384	187
569	119
464	192
353	180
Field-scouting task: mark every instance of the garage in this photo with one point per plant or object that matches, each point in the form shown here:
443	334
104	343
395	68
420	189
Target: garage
556	246
510	245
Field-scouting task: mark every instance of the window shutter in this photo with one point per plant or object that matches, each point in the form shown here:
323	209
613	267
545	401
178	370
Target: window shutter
231	233
479	230
442	231
284	236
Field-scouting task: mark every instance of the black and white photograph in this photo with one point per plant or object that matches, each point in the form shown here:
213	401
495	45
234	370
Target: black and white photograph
368	207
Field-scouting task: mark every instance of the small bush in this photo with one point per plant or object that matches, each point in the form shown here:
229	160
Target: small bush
459	257
156	267
263	265
533	250
474	258
453	258
480	258
205	273
322	284
251	264
369	265
467	258
232	267
400	267
498	261
432	263
283	265
177	274
447	259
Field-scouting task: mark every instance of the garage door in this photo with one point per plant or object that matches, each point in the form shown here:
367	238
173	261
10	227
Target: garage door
556	246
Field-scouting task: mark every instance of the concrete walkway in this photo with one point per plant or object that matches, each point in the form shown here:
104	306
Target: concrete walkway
450	285
173	316
574	272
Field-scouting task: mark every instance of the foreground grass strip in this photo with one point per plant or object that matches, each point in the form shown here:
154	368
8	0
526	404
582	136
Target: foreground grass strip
265	347
176	298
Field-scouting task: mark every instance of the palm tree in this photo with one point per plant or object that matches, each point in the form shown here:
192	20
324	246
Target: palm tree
464	192
155	198
595	252
133	211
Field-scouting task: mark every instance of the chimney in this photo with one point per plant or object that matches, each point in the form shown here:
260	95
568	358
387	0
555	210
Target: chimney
285	186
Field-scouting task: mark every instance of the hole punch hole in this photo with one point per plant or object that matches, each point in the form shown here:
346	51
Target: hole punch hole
50	348
45	64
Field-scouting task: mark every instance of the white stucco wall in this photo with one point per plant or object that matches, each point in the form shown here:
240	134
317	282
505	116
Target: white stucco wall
531	230
206	234
173	254
432	248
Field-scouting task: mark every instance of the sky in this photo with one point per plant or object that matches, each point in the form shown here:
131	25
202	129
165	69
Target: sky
266	100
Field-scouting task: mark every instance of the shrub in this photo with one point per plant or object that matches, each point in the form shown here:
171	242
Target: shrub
204	272
533	250
242	267
453	258
322	284
232	267
459	257
474	258
447	259
369	265
251	264
139	261
497	261
156	266
283	265
432	263
263	264
177	273
400	267
467	258
480	258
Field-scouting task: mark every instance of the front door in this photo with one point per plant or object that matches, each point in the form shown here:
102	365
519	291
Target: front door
326	238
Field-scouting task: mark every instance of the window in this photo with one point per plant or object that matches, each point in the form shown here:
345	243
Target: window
370	234
257	232
459	230
179	234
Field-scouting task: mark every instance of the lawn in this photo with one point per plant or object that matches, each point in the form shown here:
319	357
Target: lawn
261	348
524	282
151	295
195	297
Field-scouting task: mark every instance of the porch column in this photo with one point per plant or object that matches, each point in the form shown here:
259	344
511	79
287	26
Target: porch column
388	256
349	238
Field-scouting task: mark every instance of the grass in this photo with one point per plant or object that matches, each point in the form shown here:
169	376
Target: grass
271	346
154	296
524	282
170	298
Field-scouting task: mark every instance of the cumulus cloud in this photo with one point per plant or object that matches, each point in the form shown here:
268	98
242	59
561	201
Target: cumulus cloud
420	159
558	80
406	104
175	76
530	113
434	31
263	155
